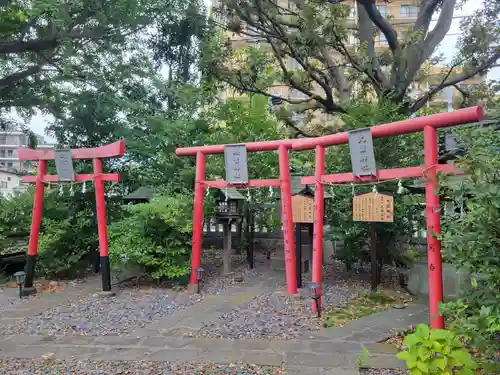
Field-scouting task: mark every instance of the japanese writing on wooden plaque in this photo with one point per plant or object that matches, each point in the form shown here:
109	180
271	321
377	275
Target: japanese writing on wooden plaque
362	154
302	209
373	207
235	157
64	165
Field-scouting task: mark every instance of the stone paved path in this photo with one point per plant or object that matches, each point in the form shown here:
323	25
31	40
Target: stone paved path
328	351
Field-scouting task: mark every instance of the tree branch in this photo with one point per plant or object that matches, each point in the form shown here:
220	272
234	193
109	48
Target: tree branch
440	30
382	23
445	83
427	10
465	95
18	76
33	45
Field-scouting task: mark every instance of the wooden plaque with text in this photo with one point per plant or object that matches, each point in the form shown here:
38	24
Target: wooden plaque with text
302	209
373	207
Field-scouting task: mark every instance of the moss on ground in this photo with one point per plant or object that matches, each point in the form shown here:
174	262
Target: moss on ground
358	307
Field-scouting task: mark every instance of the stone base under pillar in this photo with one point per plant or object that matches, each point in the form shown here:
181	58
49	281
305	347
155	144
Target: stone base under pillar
192	288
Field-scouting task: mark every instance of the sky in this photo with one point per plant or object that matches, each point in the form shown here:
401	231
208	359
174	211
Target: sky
448	48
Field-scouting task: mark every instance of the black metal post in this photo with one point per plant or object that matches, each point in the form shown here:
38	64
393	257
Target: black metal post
298	250
105	274
373	256
30	271
249	230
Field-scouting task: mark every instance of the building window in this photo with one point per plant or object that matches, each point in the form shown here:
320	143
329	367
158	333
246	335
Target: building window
3	140
2	153
9	165
382	40
10	153
352	39
352	13
4	185
383	10
409	11
2	164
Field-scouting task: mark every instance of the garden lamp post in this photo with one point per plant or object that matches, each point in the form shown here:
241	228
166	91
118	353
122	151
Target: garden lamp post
315	295
20	275
199	276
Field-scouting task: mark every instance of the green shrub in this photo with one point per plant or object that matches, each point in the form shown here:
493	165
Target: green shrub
471	240
436	351
155	236
68	231
65	243
15	215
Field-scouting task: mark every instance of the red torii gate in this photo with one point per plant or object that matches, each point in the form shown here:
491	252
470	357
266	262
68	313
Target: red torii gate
427	124
112	150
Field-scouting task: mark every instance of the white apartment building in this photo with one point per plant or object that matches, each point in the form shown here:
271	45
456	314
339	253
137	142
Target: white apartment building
10	141
10	183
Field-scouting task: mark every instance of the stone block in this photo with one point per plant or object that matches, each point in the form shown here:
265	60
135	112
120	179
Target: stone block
262	358
73	340
379	348
220	355
202	343
340	371
176	355
453	281
282	346
335	347
368	335
252	344
157	342
177	342
117	340
303	370
316	360
384	362
23	339
124	354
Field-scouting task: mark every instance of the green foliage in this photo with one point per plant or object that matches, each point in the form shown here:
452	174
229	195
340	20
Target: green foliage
363	358
471	239
65	243
68	234
155	236
436	351
408	215
15	215
248	120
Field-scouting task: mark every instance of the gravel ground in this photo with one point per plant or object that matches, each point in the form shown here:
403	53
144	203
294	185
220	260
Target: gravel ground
132	308
78	367
276	315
